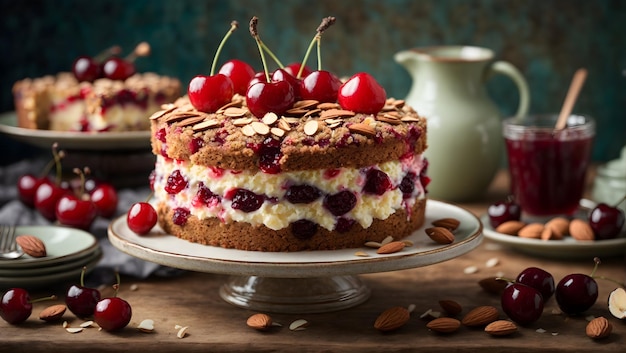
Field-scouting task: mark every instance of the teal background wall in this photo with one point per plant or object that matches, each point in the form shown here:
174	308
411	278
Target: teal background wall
546	40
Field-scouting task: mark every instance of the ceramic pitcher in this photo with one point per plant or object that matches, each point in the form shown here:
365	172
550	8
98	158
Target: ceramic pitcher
465	143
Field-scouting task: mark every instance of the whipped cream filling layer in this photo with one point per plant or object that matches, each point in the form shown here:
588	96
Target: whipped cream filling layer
276	212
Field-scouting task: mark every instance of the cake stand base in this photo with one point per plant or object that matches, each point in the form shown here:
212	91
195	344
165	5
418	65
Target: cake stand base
294	295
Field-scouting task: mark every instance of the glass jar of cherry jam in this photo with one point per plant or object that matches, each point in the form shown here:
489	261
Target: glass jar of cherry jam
547	166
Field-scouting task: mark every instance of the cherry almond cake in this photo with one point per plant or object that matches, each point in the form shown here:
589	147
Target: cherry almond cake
96	96
294	163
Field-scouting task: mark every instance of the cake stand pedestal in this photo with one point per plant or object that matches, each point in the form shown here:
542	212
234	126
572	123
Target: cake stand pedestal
298	282
294	295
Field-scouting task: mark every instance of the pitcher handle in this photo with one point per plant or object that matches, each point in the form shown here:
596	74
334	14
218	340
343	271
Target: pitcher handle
507	69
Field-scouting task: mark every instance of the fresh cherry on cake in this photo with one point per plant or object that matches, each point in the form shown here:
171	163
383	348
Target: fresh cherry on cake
319	85
86	68
298	70
16	305
82	300
76	209
539	279
240	74
523	304
577	292
104	196
141	218
504	211
282	75
606	221
116	68
266	95
209	93
113	313
362	94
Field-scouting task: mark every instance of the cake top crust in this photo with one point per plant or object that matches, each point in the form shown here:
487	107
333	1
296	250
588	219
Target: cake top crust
311	135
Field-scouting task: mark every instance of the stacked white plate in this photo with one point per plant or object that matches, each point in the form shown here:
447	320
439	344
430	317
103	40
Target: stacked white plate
68	251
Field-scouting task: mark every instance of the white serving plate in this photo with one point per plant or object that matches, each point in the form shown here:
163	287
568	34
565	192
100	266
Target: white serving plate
171	251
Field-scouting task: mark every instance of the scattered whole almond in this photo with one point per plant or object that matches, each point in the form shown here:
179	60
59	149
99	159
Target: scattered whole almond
52	313
531	231
581	230
510	227
492	285
480	316
598	328
450	223
559	225
451	307
444	325
440	235
392	319
390	248
501	328
31	245
259	322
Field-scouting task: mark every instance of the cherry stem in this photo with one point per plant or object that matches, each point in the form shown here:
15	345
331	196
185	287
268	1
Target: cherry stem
116	286
82	276
57	156
592	275
142	49
149	196
255	34
82	174
114	50
52	297
505	279
271	54
233	27
620	201
595	267
326	22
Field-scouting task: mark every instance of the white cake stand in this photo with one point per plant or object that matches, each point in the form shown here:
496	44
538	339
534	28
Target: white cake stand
298	282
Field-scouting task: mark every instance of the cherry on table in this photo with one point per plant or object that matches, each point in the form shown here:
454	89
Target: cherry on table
362	94
539	279
16	305
27	185
105	197
606	221
504	211
577	292
523	304
113	313
82	300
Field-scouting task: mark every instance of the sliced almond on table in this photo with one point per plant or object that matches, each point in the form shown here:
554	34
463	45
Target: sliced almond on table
146	325
298	325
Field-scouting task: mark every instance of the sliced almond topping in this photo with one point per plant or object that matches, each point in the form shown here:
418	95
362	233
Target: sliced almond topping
269	118
242	121
307	103
260	128
373	244
205	125
388	120
291	119
190	121
248	130
297	111
277	132
326	106
310	128
284	125
312	112
235	112
388	239
335	113
363	129
410	119
160	113
233	103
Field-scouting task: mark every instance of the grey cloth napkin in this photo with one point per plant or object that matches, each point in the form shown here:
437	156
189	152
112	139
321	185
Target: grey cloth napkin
13	211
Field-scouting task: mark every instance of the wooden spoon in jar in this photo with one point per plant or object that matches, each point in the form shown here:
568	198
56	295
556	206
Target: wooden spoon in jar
572	94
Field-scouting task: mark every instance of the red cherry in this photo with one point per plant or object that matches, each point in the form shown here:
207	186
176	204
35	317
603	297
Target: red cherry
209	93
116	68
282	75
85	68
112	313
46	198
27	186
321	85
263	97
522	303
362	94
82	300
141	217
239	72
16	306
294	69
76	212
258	77
503	211
539	279
606	221
104	196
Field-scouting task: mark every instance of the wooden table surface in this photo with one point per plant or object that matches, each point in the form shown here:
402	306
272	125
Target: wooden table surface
215	326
